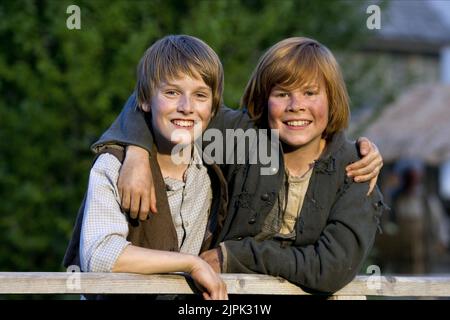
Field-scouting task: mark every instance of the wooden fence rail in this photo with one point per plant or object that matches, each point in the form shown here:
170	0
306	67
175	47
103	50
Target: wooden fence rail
126	283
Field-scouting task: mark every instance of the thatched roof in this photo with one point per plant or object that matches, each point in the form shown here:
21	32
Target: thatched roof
417	125
411	26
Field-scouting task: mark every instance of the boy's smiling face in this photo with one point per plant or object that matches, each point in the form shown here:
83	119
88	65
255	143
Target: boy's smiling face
300	114
181	109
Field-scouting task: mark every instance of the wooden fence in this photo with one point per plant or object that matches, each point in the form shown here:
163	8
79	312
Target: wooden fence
126	283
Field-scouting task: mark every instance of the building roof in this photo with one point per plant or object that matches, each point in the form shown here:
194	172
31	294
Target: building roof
413	26
417	125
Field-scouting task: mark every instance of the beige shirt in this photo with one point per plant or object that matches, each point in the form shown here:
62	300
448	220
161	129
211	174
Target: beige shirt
297	187
190	202
281	220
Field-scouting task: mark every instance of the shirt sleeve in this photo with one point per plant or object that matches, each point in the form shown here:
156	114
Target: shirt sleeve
105	227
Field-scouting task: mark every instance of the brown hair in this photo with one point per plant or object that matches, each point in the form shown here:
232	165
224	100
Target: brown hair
291	63
173	55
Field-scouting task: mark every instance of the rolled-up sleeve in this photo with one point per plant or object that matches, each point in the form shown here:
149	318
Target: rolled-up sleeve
105	227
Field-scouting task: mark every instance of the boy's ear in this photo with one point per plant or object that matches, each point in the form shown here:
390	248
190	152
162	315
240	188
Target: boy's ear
145	107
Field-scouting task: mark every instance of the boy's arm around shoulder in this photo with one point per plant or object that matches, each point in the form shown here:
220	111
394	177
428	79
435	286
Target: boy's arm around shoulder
227	118
129	128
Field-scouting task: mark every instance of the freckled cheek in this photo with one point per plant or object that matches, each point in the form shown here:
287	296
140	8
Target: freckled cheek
204	112
321	113
205	119
160	110
160	106
275	112
205	109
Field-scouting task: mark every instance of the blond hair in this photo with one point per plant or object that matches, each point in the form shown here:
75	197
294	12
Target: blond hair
292	63
174	55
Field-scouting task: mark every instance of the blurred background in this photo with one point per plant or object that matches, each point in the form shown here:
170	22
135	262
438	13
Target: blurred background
60	88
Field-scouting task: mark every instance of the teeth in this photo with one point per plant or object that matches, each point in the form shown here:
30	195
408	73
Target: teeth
183	123
300	123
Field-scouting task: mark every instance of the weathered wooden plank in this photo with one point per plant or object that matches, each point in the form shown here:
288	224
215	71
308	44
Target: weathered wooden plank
399	286
74	283
65	283
77	283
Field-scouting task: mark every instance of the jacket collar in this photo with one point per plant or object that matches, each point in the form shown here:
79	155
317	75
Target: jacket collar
327	161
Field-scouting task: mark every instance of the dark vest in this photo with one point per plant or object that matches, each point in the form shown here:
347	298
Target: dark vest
158	232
